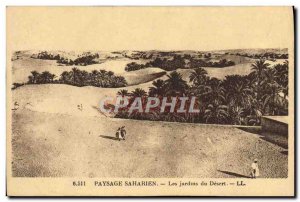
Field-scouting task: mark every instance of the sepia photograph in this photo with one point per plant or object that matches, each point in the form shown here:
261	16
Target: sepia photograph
160	98
237	128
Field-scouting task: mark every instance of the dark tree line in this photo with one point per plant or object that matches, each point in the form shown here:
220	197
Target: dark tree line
82	60
237	100
44	55
101	78
195	63
169	65
86	59
133	66
267	55
178	62
41	78
76	77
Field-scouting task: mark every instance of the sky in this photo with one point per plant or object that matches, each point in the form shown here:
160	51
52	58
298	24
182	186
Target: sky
146	28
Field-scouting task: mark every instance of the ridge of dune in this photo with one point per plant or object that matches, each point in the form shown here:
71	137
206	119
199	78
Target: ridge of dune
65	99
61	99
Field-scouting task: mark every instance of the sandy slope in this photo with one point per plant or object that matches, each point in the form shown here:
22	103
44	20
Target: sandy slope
143	75
47	144
52	137
64	99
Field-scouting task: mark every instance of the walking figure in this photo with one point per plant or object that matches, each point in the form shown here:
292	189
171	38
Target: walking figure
118	134
255	170
123	132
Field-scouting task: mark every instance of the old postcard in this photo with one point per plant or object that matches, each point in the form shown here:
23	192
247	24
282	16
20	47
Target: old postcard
150	101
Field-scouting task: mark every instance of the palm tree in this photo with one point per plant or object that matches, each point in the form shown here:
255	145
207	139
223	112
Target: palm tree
216	114
198	76
238	91
259	68
175	84
123	93
66	77
215	93
285	91
110	73
282	77
102	79
272	101
255	113
75	74
34	77
94	75
270	76
174	117
271	98
110	76
236	113
118	81
46	77
158	88
138	92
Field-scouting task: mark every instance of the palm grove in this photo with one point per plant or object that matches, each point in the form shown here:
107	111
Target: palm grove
77	77
238	100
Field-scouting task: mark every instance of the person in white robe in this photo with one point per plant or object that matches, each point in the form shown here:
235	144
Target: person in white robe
255	169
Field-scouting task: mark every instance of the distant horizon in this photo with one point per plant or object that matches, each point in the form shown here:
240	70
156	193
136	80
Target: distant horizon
164	50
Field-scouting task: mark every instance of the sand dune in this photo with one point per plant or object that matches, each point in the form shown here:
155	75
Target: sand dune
64	99
53	138
143	75
77	146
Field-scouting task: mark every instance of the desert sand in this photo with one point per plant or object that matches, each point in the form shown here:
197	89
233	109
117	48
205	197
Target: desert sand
52	137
